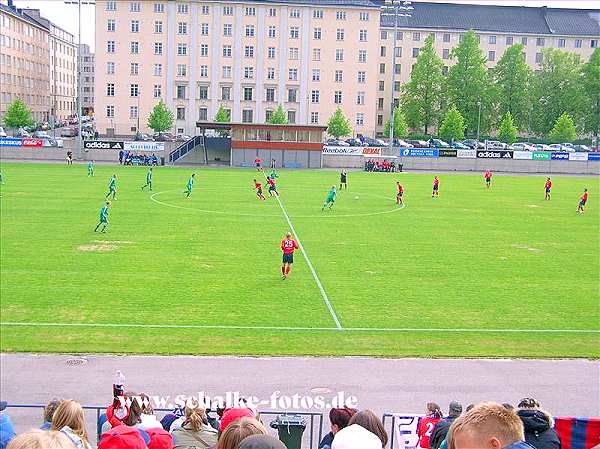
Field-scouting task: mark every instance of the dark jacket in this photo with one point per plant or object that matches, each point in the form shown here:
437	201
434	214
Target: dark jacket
519	445
539	430
327	441
440	431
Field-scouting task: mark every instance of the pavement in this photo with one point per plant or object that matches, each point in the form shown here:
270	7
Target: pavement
563	387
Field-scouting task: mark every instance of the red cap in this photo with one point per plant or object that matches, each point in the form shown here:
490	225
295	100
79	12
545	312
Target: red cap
159	439
233	414
122	437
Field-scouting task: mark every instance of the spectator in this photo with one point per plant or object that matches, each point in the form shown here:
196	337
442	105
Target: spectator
441	428
7	431
356	437
196	432
370	421
48	412
338	418
233	414
239	429
120	156
538	424
122	437
68	418
145	413
170	419
39	439
427	424
159	438
487	426
261	442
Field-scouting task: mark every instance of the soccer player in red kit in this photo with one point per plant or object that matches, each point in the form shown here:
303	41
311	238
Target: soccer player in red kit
488	178
436	187
257	161
400	193
427	424
547	187
288	246
258	187
582	201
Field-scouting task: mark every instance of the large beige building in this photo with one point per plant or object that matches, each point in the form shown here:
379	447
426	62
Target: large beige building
88	65
310	57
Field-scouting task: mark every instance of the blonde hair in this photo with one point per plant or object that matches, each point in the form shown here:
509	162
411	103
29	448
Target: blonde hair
239	429
39	439
488	420
195	416
69	413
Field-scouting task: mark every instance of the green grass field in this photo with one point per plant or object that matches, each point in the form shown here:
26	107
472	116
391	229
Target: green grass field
472	273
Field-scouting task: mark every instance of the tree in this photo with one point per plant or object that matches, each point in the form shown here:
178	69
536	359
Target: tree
17	115
278	117
338	125
512	82
468	82
423	93
453	126
591	90
160	119
400	126
222	115
508	131
564	130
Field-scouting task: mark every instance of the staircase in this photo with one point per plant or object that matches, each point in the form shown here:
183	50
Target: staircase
194	144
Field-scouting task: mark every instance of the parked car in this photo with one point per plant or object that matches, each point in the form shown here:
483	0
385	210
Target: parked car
582	148
496	145
542	147
473	144
373	142
22	132
2	132
522	146
163	137
142	137
438	143
418	143
459	146
354	142
68	131
182	137
561	147
41	135
337	143
401	143
568	145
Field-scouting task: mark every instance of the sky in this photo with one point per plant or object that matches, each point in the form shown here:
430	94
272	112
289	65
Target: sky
65	16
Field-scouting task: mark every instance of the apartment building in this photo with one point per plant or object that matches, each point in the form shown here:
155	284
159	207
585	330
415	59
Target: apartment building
24	62
87	79
251	56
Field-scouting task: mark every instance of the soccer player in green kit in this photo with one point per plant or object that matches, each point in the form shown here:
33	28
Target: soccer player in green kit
330	198
190	186
91	168
103	217
148	179
112	187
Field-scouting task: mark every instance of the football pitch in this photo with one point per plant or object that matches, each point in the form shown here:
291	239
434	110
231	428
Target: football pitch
473	273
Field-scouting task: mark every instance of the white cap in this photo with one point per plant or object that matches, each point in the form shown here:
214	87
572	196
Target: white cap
355	437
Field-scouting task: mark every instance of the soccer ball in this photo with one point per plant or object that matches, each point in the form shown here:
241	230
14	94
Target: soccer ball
356	197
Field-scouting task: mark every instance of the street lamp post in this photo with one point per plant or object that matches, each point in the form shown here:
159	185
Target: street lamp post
478	119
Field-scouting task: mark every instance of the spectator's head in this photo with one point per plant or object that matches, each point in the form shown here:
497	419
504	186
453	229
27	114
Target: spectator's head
70	414
454	409
195	416
261	442
39	439
433	410
528	403
122	437
135	409
236	431
50	409
233	414
486	426
145	406
469	407
370	421
339	418
356	437
508	406
159	439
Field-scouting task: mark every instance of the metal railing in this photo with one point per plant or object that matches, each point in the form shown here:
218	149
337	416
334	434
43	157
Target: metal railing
403	429
185	148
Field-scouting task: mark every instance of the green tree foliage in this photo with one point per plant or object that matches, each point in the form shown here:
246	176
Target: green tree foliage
222	115
338	125
591	90
400	126
564	130
468	82
17	115
423	93
453	126
278	117
160	119
508	131
512	83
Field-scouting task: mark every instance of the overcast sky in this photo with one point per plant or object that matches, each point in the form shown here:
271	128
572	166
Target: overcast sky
65	16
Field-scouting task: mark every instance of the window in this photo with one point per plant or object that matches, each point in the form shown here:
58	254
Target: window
399	36
110	111
362	55
110	46
445	70
362	35
340	15
416	37
110	68
292	95
294	32
524	40
180	92
314	118
293	53
181	49
226	93
380	103
110	90
316	54
415	52
248	91
182	8
158	47
133	112
293	74
135	26
381	68
247	115
270	94
158	26
295	13
337	97
134	68
562	43
272	12
381	86
362	77
227	51
593	43
491	39
363	16
157	91
397	86
382	51
228	10
540	42
360	118
159	8
134	7
250	11
360	98
204	50
316	75
539	58
180	113
509	40
398	69
271	73
271	31
446	37
203	71
339	55
111	25
203	92
205	10
249	51
249	30
446	53
248	73
157	71
226	71
577	43
383	35
317	33
317	14
134	90
491	55
182	28
339	34
398	52
203	114
135	47
181	70
271	52
227	29
380	120
111	6
315	96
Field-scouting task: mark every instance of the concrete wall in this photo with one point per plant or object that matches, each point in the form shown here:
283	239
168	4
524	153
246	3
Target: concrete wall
306	159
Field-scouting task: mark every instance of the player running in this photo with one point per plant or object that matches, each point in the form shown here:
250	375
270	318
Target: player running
330	200
273	173
488	178
257	162
582	201
288	245
103	218
343	179
272	186
547	187
148	180
400	188
90	168
259	192
112	187
436	187
189	186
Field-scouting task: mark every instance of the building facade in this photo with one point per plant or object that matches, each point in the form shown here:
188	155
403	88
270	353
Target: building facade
87	79
24	63
311	58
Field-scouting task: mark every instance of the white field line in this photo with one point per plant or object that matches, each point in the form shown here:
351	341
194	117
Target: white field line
292	328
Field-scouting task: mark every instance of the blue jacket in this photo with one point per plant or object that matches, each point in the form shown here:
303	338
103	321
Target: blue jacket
519	445
7	431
